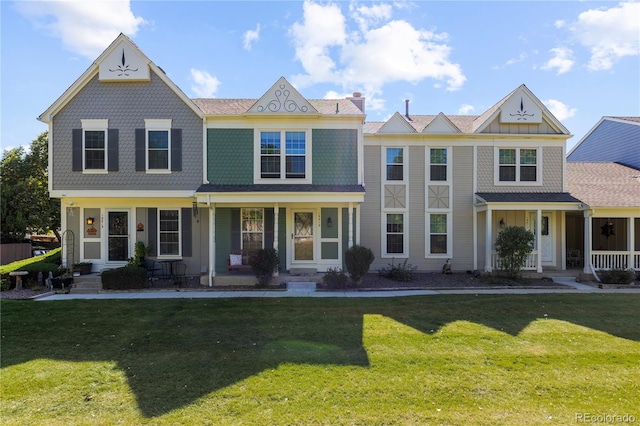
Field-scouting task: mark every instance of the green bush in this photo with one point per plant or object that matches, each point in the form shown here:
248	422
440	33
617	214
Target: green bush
125	278
335	278
264	263
617	276
5	284
513	245
400	272
358	259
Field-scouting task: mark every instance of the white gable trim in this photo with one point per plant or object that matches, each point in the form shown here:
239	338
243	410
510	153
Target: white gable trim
441	124
282	98
397	124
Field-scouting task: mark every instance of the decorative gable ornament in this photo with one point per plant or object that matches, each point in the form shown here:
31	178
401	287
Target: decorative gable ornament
124	63
521	109
282	98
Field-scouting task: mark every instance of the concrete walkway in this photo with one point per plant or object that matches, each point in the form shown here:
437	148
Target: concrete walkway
571	287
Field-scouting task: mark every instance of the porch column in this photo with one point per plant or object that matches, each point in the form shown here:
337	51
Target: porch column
358	221
276	228
350	242
539	240
212	243
487	241
588	225
631	243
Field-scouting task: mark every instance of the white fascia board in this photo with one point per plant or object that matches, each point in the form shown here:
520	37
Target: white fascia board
83	193
281	197
530	206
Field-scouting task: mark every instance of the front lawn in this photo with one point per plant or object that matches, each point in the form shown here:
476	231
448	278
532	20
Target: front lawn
468	360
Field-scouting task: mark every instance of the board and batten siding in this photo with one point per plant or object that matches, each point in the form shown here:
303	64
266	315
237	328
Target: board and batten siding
519	129
126	105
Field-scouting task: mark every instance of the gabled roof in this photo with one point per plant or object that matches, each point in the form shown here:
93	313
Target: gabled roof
441	124
397	124
604	184
121	42
282	98
220	106
633	121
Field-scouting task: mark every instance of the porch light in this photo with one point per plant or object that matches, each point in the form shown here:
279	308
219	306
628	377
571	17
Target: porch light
89	221
194	209
502	224
329	222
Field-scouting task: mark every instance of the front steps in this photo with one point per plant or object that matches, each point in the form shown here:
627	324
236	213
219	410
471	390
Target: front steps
86	284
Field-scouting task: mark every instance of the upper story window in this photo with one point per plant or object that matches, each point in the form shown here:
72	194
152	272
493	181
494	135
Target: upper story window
518	165
158	136
284	155
94	145
395	163
438	164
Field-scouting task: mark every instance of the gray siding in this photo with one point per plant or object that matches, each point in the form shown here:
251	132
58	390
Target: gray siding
371	207
610	141
230	156
126	106
335	156
462	208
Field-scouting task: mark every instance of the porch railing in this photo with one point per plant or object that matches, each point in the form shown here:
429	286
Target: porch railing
530	265
615	260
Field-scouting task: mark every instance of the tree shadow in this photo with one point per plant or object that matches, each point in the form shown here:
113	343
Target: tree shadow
180	350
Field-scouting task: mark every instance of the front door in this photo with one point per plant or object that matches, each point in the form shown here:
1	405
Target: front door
546	236
303	237
118	236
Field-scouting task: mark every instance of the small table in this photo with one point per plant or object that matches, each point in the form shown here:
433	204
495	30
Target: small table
18	275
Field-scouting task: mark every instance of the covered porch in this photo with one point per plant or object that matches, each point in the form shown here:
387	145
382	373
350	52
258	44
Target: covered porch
612	240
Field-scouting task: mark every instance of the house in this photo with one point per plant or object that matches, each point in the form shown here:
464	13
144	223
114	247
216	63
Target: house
612	139
203	180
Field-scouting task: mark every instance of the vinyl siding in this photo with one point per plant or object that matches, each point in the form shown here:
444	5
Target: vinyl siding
462	208
371	207
610	141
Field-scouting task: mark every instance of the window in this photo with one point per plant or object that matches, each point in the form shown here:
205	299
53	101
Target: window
283	162
158	151
94	149
252	228
438	164
518	165
169	232
438	233
395	233
395	164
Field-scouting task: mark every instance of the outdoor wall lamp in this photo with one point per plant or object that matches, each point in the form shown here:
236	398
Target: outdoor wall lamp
502	224
329	222
89	221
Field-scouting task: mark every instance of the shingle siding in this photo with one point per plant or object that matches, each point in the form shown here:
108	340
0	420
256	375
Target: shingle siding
335	156
126	106
230	156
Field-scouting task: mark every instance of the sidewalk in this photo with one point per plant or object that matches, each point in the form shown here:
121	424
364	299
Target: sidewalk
572	287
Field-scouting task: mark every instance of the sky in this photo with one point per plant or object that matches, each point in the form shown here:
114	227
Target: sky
580	58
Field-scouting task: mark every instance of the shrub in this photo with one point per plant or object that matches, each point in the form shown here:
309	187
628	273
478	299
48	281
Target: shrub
358	259
617	276
264	264
513	245
400	272
335	278
44	267
5	284
125	278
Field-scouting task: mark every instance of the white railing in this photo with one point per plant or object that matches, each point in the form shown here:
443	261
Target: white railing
615	260
530	265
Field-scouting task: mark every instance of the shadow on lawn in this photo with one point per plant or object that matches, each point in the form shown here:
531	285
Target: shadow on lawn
176	351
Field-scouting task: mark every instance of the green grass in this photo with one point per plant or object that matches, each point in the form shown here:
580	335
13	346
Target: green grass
481	360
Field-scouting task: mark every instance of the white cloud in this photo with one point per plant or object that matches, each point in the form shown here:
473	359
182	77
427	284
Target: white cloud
250	36
466	109
562	60
205	85
609	34
559	109
85	27
380	51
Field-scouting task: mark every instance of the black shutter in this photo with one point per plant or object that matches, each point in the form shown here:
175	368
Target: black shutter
152	230
186	232
176	150
141	164
76	150
113	150
268	228
235	229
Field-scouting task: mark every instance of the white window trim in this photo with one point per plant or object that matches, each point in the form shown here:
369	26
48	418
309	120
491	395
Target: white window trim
427	242
257	155
169	256
96	125
405	239
447	164
517	182
160	125
242	232
405	165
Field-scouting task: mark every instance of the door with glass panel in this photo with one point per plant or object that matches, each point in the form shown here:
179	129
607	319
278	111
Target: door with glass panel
118	236
303	236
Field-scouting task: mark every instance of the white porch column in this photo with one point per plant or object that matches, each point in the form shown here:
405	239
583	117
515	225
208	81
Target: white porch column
212	243
350	215
487	242
588	229
539	240
631	243
358	224
475	237
276	228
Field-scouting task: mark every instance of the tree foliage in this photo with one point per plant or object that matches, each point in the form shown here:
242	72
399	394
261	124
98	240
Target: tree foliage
513	245
24	194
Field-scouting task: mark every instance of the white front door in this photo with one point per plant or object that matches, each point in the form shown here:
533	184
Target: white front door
546	236
303	236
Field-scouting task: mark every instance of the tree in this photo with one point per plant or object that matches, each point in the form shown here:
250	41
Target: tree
24	195
513	245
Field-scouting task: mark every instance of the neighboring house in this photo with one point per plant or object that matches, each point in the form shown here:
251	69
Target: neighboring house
612	139
134	159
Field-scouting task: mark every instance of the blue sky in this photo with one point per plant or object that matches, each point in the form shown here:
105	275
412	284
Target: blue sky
582	59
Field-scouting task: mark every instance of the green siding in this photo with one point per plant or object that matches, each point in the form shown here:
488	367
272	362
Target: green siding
230	156
223	239
335	156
